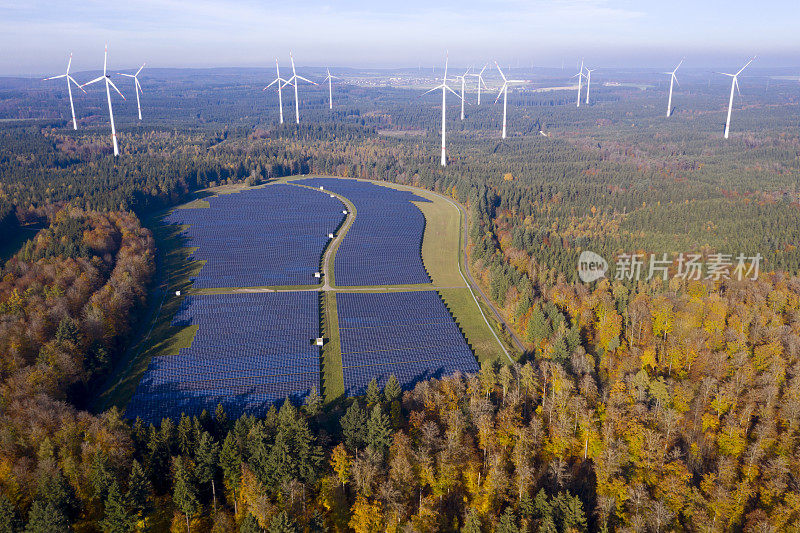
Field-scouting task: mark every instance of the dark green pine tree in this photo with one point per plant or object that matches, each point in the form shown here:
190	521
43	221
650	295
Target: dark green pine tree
9	519
508	522
472	524
100	477
206	460
117	518
294	454
538	328
184	493
354	427
374	396
54	489
250	525
230	460
185	436
46	518
379	430
568	512
139	488
313	403
282	523
220	421
392	390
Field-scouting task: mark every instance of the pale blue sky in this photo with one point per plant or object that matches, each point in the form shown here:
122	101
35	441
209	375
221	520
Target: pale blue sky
36	35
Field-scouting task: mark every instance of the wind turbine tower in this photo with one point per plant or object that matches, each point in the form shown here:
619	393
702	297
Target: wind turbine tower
69	79
294	80
444	87
734	85
588	82
329	79
463	78
105	77
579	75
504	93
673	79
137	87
280	84
479	75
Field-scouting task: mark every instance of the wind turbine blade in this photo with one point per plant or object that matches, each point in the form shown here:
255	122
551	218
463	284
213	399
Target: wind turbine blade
78	85
101	78
69	63
115	87
679	66
500	93
430	91
55	77
138	85
676	79
500	71
126	75
745	66
305	79
736	84
271	84
452	91
105	60
140	69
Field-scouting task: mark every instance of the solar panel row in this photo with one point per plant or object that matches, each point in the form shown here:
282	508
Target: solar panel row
274	235
250	351
408	334
384	244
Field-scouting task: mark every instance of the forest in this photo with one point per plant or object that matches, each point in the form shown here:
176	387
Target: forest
638	406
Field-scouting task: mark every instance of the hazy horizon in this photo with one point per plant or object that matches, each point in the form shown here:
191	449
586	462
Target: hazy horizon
244	33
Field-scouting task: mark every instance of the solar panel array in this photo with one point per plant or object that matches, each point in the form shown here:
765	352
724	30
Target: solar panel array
250	351
408	334
274	235
384	244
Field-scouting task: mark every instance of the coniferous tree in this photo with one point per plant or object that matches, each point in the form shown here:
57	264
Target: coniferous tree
9	518
250	525
206	460
184	491
472	524
46	518
379	430
140	489
374	396
354	426
282	523
117	519
230	460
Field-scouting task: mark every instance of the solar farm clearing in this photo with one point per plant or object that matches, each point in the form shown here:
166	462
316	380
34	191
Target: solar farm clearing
304	283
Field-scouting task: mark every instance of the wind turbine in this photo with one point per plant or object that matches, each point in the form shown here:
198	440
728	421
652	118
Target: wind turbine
672	80
294	81
281	83
105	77
329	79
588	82
463	78
579	75
69	89
504	93
444	87
479	75
734	84
137	87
